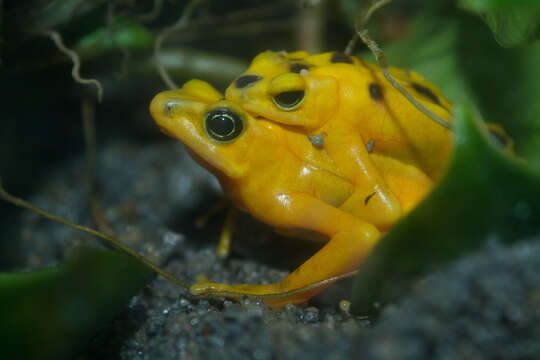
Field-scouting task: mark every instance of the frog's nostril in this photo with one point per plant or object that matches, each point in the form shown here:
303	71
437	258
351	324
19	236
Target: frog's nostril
161	107
169	108
246	80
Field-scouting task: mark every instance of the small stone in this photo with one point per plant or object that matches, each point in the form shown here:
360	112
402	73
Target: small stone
261	354
317	141
311	315
255	311
370	145
203	305
184	302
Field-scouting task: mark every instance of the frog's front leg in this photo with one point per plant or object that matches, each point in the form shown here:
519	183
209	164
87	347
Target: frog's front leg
373	200
350	242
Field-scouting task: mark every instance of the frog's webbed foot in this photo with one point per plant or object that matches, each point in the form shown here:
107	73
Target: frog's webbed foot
270	293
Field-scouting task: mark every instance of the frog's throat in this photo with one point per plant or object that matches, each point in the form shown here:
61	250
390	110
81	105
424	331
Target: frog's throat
206	153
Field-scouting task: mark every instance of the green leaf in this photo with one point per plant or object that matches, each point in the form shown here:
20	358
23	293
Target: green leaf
512	22
50	314
485	195
485	5
128	36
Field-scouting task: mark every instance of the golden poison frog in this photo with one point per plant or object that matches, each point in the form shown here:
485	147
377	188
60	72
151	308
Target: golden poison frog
314	144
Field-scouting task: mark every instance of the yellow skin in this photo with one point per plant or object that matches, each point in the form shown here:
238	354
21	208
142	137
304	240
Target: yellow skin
350	103
347	162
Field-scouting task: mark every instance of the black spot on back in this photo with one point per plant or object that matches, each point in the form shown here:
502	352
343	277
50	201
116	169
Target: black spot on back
246	80
297	67
339	57
375	92
500	138
426	92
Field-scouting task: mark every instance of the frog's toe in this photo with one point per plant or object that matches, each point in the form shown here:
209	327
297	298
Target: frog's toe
198	289
208	288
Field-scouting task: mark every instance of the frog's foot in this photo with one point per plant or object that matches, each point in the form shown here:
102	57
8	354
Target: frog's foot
274	295
210	288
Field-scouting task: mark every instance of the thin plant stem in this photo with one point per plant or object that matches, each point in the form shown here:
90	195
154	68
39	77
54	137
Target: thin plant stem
109	239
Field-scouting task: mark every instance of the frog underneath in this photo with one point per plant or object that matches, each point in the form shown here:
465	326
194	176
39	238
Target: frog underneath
346	160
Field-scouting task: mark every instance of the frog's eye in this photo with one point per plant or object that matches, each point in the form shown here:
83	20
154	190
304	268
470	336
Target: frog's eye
223	124
289	100
287	91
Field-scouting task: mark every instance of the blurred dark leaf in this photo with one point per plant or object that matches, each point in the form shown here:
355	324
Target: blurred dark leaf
486	195
513	22
52	313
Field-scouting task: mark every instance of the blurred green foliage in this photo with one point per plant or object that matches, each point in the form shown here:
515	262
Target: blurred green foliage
513	22
486	195
129	36
51	313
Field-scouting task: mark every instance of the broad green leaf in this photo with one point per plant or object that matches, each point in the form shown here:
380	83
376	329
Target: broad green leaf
513	22
486	195
485	5
52	313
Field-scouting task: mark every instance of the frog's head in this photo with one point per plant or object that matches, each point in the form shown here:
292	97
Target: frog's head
218	133
282	87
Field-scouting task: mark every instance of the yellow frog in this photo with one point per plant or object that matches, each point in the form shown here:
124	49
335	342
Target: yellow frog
313	145
369	129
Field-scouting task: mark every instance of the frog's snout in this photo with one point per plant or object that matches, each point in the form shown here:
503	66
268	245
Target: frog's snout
162	105
172	108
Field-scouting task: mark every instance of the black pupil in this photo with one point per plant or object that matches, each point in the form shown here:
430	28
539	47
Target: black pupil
223	124
289	98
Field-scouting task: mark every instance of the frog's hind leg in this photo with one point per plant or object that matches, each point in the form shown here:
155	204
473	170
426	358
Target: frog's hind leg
350	242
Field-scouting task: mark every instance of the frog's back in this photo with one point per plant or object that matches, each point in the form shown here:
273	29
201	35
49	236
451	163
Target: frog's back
367	103
384	117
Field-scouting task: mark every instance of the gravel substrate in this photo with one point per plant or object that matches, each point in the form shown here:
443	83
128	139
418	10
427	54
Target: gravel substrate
486	306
